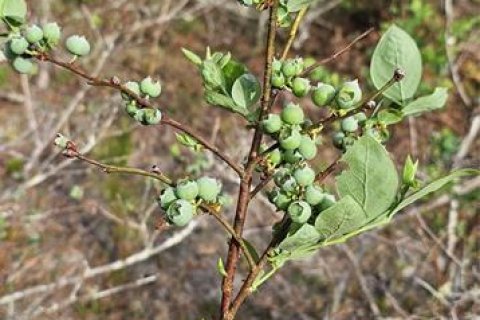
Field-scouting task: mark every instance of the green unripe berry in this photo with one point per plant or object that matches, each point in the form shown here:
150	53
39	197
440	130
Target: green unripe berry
307	148
280	200
314	195
278	80
349	95
280	176
78	45
361	117
180	213
152	117
276	65
308	62
151	88
323	94
19	45
349	124
52	33
187	190
272	124
338	139
289	68
275	157
132	86
304	176
139	115
131	108
327	202
292	114
289	185
292	156
34	34
167	197
300	87
299	211
299	66
290	138
208	189
22	65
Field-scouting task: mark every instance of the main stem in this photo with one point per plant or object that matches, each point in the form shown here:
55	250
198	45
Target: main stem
246	180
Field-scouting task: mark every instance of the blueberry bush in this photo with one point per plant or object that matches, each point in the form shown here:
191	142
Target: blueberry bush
369	189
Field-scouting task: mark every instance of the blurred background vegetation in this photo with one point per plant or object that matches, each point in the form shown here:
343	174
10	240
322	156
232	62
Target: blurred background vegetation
60	219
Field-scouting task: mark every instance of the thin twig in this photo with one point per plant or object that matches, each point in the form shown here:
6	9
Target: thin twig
293	31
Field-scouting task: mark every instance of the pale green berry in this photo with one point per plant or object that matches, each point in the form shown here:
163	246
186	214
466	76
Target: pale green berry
349	124
272	124
280	200
299	211
289	68
314	195
292	156
278	80
180	212
308	62
327	202
132	86
139	115
22	65
337	139
280	176
78	45
167	197
152	117
300	87
299	66
19	45
275	157
34	34
323	94
290	138
187	190
276	65
52	33
307	148
349	95
150	87
361	117
131	108
292	114
289	185
304	176
208	189
61	141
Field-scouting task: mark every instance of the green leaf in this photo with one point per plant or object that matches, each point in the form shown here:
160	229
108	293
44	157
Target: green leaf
409	171
297	5
221	267
232	71
246	91
299	235
188	141
340	219
212	75
251	250
390	116
192	57
217	99
434	101
371	178
432	187
13	11
396	49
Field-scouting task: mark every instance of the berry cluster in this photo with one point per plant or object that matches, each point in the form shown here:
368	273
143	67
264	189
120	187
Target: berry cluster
285	12
181	202
146	89
287	75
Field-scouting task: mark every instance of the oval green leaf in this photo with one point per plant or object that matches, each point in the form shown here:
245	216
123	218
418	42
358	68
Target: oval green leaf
246	91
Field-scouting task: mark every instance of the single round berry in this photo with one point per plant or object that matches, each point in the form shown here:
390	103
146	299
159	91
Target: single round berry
290	138
337	139
314	195
208	189
349	95
272	124
280	176
327	202
180	213
276	65
151	88
304	176
289	185
299	211
292	156
187	190
323	94
278	80
34	34
52	33
22	65
275	157
139	115
361	117
289	68
132	86
300	87
349	124
292	114
152	117
299	66
19	45
78	45
280	200
131	108
307	148
167	197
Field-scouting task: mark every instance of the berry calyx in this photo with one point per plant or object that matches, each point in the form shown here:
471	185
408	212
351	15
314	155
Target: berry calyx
151	88
187	190
289	68
349	95
151	117
180	212
290	138
167	197
78	45
278	80
299	211
292	156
